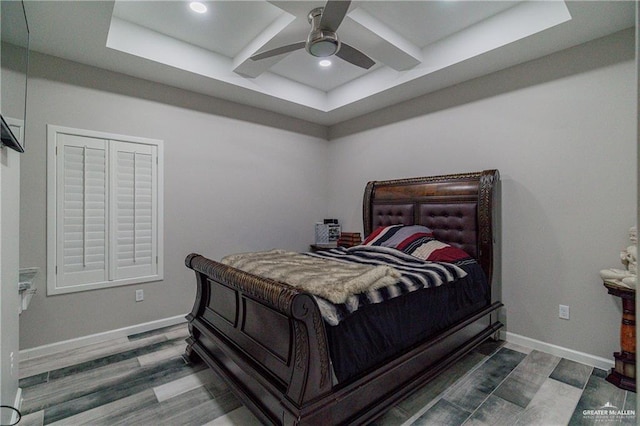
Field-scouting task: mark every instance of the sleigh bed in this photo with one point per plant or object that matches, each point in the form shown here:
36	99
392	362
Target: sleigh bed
274	347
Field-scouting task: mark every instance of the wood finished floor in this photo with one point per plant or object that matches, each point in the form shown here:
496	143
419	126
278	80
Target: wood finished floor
143	380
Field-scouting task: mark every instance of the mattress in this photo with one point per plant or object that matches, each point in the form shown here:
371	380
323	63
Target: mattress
378	332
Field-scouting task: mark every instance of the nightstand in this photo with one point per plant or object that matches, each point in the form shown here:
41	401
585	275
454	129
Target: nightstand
623	375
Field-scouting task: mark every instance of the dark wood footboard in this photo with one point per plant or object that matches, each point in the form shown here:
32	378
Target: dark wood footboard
265	337
268	341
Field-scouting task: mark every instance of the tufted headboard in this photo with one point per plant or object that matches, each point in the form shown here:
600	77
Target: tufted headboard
460	209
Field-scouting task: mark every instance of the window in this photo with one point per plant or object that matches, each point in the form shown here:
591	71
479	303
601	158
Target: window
104	210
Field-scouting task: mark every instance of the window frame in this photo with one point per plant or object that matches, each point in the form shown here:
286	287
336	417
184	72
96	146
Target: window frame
53	132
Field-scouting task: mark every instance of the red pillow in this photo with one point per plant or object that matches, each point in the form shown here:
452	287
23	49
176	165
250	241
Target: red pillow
436	251
416	240
397	236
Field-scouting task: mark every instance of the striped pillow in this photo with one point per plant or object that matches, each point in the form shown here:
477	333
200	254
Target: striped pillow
436	251
397	236
417	241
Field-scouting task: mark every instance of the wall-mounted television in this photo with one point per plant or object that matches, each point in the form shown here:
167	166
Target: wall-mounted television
14	59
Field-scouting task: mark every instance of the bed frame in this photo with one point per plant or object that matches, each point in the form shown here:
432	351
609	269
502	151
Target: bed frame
268	340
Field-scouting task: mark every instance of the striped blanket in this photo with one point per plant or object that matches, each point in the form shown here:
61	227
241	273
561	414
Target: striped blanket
415	274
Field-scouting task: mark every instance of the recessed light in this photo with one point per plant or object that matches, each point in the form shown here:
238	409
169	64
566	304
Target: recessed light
325	63
198	7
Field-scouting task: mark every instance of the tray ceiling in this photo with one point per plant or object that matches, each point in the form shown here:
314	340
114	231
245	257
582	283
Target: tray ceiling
418	46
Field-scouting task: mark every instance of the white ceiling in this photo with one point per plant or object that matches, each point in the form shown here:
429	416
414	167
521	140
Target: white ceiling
418	46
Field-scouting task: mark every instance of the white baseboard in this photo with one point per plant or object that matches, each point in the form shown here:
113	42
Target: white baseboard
593	360
584	358
98	337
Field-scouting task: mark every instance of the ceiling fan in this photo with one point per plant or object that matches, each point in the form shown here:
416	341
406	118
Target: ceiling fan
323	40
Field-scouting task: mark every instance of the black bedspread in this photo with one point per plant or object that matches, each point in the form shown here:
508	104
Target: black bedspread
377	332
415	274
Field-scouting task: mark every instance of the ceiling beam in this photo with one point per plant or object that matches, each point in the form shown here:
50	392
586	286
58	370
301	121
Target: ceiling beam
383	43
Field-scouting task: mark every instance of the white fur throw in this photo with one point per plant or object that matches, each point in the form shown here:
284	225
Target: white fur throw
330	279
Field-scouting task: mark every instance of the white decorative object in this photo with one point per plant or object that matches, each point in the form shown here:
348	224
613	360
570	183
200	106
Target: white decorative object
327	233
627	277
322	233
25	286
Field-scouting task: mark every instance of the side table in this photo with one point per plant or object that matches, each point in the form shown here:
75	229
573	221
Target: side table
623	375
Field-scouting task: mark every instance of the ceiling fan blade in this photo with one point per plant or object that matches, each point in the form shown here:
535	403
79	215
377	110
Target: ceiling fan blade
279	51
333	14
354	56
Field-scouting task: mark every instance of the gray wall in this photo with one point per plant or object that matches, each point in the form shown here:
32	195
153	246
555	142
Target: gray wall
9	299
562	132
9	258
236	179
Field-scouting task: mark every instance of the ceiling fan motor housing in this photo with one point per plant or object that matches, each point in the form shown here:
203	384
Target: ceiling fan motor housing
321	42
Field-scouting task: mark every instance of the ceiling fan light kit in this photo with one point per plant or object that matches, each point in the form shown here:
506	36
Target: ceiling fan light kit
323	47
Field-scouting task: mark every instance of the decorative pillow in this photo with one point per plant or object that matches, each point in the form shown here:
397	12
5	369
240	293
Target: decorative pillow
397	236
428	248
417	241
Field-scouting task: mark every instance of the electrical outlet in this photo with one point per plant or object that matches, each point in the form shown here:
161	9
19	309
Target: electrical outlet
563	312
139	295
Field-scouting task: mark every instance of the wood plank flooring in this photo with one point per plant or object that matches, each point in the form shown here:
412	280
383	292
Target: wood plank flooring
143	380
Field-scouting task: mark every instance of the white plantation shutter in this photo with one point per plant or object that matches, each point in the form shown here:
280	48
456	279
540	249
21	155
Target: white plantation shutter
82	209
134	209
105	210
